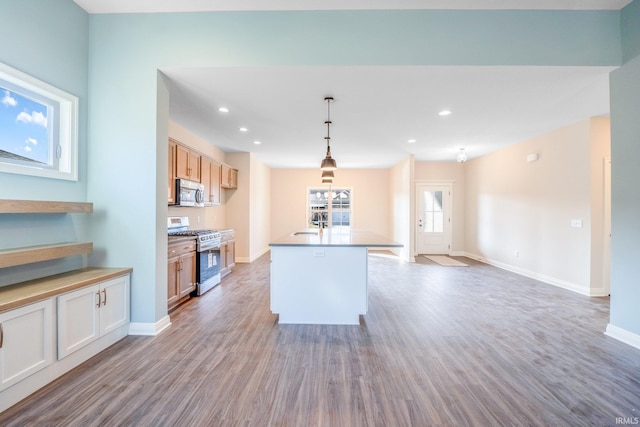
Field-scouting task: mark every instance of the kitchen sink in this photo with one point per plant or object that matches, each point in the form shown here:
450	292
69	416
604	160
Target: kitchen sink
312	233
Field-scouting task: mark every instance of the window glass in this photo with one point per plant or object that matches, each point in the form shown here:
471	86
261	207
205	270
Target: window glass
329	208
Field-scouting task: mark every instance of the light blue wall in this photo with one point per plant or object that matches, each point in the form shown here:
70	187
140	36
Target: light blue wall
625	175
127	157
47	40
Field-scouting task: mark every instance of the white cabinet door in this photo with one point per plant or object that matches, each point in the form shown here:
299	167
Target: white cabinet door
114	311
90	313
26	341
78	319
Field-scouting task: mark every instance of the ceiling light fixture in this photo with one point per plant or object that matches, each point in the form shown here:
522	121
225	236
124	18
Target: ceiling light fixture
257	142
223	109
328	163
444	113
243	129
411	141
462	156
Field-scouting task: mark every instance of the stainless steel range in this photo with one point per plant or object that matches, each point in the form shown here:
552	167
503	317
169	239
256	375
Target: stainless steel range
207	252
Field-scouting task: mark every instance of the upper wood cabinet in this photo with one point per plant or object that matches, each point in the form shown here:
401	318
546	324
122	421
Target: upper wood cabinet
229	177
210	178
187	163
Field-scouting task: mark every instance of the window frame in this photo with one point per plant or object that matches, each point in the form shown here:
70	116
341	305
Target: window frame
329	212
62	108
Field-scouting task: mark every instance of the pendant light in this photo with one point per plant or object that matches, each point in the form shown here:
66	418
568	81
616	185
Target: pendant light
328	163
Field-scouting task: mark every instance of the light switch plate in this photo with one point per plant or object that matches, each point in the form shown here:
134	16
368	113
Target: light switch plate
576	223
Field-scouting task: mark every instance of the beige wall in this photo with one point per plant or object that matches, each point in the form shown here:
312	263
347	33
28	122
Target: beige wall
210	217
402	205
518	213
260	208
289	198
448	172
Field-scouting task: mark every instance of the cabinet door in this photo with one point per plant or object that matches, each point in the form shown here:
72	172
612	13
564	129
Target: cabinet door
205	178
233	178
231	253
187	281
215	183
194	166
78	319
182	162
114	311
173	277
223	258
171	183
26	345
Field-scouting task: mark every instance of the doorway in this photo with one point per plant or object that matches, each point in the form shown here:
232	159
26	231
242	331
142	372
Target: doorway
433	228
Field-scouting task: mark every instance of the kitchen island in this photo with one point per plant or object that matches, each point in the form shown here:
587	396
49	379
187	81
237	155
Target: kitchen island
320	277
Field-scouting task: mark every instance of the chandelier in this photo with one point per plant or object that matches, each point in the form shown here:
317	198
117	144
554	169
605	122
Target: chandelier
328	164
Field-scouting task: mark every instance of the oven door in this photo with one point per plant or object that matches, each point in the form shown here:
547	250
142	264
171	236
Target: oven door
207	269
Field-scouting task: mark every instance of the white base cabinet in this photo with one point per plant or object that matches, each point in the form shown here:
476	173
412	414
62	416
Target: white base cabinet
90	313
26	337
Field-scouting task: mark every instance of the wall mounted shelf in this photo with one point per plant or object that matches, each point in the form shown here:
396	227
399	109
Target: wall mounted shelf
31	254
37	206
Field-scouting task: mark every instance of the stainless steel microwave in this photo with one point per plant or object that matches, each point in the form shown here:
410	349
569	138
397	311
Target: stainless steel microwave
189	193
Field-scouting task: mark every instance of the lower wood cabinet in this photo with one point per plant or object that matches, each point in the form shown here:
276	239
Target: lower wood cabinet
26	341
181	272
89	313
227	252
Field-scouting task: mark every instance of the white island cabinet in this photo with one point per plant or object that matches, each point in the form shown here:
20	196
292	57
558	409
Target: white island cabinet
321	277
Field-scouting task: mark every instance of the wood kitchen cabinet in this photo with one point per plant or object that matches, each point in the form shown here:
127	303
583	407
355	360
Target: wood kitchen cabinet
26	341
229	177
227	251
187	163
210	178
91	312
181	279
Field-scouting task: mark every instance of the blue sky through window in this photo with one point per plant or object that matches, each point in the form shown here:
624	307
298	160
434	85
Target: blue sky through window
23	126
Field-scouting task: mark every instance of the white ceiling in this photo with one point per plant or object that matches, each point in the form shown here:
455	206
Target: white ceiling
376	109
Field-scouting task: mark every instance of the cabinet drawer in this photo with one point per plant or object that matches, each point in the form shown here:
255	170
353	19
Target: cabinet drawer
176	249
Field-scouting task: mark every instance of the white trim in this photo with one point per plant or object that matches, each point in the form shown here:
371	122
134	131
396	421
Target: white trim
150	329
533	275
254	257
623	335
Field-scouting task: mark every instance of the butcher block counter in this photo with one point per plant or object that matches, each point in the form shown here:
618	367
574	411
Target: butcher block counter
320	276
24	293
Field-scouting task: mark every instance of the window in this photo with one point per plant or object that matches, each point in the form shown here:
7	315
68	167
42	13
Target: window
433	212
38	127
329	208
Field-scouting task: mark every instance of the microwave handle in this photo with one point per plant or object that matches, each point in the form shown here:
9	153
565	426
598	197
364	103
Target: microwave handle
199	196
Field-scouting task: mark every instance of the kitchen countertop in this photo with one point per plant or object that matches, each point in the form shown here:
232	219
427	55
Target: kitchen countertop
333	237
24	293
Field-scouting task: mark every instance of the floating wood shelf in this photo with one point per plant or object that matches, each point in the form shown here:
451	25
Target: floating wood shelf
31	254
37	206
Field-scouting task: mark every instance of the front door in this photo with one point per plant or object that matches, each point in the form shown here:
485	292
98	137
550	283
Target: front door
434	219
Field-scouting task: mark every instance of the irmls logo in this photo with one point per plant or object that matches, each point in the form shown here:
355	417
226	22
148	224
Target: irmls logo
627	420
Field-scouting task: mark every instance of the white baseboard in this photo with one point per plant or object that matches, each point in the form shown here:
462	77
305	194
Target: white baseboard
149	329
533	275
623	335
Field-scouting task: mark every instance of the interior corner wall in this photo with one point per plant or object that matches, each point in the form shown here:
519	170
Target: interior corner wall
450	172
600	151
519	213
401	177
259	208
238	204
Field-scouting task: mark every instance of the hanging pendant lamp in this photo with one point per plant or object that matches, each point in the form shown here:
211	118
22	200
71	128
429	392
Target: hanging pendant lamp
328	163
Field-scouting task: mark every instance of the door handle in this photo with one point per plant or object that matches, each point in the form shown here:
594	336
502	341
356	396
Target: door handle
105	297
98	295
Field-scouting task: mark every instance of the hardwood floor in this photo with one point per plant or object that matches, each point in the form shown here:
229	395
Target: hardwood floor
449	346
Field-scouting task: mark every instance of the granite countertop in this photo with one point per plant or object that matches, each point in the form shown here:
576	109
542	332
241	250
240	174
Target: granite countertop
333	237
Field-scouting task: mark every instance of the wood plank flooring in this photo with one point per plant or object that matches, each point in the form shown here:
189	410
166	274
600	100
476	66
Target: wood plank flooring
473	346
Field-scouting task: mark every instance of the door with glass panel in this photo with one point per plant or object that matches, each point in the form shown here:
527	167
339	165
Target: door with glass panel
433	230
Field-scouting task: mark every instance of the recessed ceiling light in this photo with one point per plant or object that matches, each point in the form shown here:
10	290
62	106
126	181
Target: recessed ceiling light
411	141
257	142
444	113
243	130
223	109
